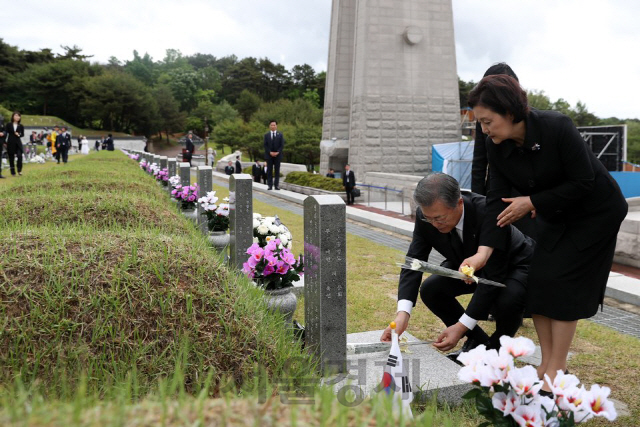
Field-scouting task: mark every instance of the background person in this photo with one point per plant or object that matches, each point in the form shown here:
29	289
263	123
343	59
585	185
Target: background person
273	146
238	165
349	183
63	144
578	207
331	174
189	148
229	169
3	139
14	131
256	171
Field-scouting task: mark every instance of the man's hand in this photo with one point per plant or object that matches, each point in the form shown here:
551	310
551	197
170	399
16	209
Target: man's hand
518	207
274	153
402	321
449	338
477	261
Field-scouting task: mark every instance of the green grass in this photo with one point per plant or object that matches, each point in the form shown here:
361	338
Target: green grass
51	121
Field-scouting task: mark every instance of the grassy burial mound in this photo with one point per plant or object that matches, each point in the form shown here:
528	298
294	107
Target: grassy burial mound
102	281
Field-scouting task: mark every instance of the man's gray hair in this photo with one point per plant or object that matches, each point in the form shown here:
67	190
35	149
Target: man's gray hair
437	186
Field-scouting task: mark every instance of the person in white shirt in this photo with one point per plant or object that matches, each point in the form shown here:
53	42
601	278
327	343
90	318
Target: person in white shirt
452	222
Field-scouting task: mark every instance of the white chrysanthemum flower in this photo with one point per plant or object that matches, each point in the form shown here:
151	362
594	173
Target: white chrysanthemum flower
274	229
289	245
416	265
283	239
263	229
256	215
256	223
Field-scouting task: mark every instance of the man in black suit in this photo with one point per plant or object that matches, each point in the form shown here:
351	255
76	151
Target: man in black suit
110	146
452	223
349	183
273	146
229	169
238	165
63	144
331	174
256	171
189	148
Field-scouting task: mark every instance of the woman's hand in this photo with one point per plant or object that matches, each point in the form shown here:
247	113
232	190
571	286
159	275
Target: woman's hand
518	207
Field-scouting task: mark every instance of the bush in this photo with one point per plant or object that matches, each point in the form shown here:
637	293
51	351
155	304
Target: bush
308	179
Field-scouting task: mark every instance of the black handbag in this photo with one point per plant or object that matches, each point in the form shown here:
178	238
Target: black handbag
355	192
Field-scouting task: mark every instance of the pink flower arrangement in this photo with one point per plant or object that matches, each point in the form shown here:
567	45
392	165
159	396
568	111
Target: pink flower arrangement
162	175
187	195
506	395
274	266
134	156
143	164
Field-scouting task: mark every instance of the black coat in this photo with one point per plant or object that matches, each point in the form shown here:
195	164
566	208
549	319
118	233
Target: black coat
511	263
273	144
229	170
349	179
63	141
570	188
479	175
256	171
10	136
190	148
109	142
238	166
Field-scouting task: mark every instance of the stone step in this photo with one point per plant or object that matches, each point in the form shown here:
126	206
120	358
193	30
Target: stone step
430	372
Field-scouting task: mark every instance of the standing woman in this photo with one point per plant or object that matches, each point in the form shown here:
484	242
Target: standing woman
14	131
577	204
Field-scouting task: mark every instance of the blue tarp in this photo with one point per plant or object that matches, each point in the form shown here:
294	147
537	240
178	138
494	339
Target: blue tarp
454	158
629	183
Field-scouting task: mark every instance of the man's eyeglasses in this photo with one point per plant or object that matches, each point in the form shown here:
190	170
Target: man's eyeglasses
439	219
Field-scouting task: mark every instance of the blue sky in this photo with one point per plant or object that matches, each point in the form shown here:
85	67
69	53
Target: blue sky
575	49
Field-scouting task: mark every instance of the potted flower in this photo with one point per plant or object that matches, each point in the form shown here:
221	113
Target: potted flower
152	168
510	396
174	181
267	228
274	268
217	220
143	164
162	176
187	197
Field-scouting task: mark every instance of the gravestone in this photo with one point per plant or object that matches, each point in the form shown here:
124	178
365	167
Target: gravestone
240	217
171	165
205	184
163	162
325	291
185	174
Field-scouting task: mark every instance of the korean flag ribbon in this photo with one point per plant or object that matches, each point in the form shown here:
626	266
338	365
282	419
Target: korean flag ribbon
395	379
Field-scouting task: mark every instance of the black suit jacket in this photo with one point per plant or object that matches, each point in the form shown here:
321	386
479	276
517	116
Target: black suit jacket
479	175
229	170
512	263
273	144
238	166
349	179
570	188
63	141
110	144
256	171
11	138
189	146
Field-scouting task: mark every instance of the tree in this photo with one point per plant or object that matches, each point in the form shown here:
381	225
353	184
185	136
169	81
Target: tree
247	104
170	117
464	88
538	99
229	132
243	75
142	68
582	117
73	53
306	144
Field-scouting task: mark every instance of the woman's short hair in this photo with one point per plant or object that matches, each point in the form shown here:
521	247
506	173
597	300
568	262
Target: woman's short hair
500	68
501	94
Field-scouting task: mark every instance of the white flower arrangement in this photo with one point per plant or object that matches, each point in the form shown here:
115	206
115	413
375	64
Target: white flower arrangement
506	394
269	228
37	159
175	181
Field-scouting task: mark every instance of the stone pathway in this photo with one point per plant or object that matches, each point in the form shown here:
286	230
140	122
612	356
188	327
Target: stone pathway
614	318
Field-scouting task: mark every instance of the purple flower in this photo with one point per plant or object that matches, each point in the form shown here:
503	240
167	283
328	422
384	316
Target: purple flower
253	248
268	269
282	267
288	257
271	261
191	198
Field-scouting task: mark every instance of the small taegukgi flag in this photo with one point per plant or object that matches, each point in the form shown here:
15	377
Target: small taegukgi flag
395	379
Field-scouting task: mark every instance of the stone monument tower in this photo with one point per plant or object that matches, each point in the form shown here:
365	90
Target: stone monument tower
392	85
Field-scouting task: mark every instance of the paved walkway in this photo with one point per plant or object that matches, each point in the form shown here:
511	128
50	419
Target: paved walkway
615	318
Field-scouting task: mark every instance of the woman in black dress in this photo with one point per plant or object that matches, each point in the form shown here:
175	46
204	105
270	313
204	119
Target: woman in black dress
14	131
577	204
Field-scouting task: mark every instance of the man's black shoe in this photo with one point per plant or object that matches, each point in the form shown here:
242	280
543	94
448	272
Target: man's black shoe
269	188
277	188
469	345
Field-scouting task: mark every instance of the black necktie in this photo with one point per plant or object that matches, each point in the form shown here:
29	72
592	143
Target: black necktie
273	135
456	243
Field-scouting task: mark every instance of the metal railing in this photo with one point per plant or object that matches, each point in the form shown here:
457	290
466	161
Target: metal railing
391	198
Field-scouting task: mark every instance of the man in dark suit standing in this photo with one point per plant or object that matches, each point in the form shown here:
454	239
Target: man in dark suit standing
189	148
63	144
238	165
110	146
452	223
229	169
331	174
256	171
273	146
349	183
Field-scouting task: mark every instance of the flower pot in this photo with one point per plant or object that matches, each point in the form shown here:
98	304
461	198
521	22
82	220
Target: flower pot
219	240
282	300
190	213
